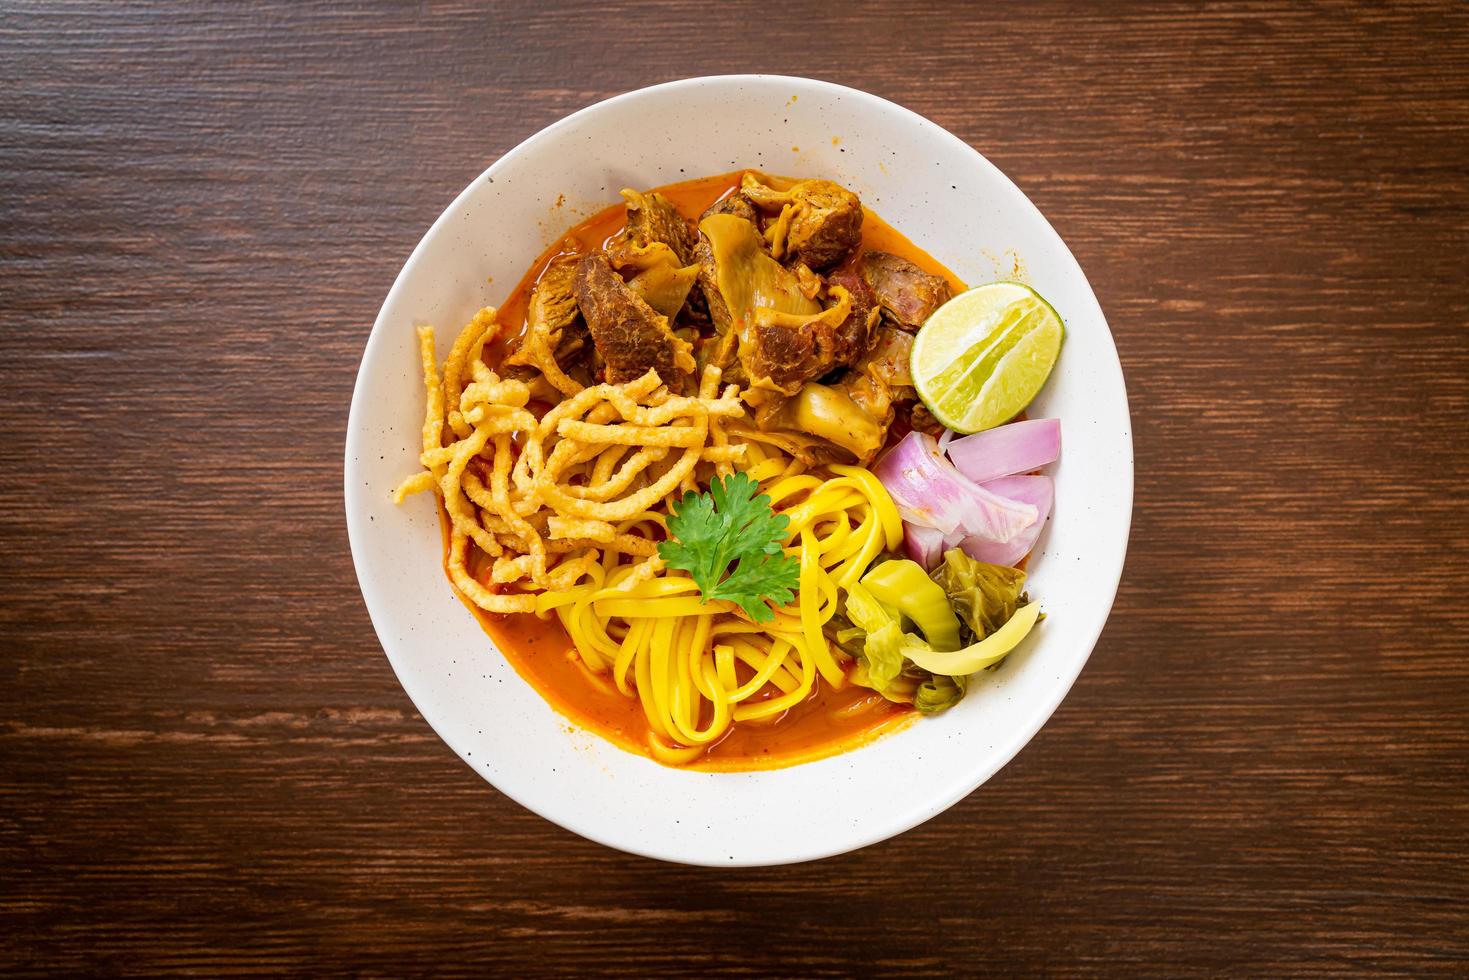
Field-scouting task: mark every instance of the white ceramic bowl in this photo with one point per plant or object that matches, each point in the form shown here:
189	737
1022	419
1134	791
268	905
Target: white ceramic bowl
951	202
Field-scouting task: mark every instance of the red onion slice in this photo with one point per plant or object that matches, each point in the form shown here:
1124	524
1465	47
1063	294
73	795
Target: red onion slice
926	545
930	492
1036	490
1015	448
1039	491
997	518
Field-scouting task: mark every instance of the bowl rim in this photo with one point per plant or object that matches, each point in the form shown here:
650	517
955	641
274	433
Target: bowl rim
921	810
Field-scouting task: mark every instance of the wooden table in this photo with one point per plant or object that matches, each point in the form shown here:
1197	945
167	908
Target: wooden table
208	765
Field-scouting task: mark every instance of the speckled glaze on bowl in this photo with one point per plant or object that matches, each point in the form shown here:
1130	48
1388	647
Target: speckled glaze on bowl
948	199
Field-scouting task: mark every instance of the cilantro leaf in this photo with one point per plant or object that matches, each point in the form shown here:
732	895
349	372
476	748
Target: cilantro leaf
730	524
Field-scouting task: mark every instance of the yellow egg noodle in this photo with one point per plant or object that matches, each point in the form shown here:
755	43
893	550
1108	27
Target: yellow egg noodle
570	506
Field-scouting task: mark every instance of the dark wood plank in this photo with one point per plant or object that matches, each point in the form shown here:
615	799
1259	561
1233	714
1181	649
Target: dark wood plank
207	764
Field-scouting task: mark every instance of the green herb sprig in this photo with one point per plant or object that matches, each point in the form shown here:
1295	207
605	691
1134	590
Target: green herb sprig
731	525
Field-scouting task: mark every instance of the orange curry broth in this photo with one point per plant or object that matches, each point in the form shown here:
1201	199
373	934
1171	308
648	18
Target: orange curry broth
826	723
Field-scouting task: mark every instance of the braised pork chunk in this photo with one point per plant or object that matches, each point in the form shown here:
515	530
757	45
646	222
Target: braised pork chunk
630	335
908	295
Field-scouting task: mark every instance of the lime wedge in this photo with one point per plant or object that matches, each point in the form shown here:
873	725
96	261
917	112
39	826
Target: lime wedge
983	355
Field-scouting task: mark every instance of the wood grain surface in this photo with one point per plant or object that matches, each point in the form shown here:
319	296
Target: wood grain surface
208	766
